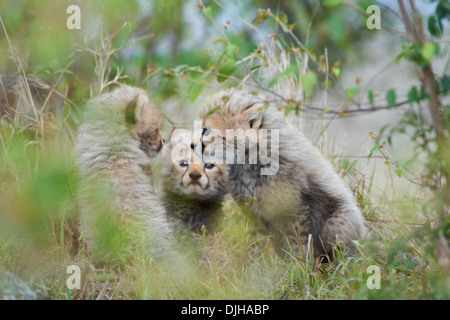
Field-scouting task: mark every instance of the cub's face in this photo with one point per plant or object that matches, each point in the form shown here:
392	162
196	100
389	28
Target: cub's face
241	124
186	174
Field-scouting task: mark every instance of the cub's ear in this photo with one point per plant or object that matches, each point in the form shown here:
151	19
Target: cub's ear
133	111
255	114
130	113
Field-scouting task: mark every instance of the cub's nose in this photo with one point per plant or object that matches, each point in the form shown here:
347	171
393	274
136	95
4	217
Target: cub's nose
195	175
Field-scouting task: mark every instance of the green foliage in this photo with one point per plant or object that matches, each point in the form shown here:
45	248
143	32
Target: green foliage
309	81
371	97
331	3
351	91
419	55
207	12
434	23
226	69
391	98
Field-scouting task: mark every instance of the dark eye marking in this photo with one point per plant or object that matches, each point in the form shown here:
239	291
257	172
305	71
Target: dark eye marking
209	165
183	163
206	132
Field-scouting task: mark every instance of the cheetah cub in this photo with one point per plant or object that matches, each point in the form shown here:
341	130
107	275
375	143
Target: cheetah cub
302	196
120	213
193	189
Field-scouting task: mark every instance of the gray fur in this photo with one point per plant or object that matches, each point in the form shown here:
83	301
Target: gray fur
306	196
193	213
116	183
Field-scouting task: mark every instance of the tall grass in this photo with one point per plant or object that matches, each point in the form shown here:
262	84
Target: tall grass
38	241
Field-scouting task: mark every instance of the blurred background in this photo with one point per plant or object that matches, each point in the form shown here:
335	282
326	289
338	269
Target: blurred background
182	51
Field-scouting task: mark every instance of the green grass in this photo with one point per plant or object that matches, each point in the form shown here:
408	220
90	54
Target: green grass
38	241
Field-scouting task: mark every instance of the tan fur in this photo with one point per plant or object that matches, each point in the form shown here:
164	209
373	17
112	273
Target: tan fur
120	214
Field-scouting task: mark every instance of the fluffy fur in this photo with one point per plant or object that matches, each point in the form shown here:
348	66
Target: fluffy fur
306	196
120	213
193	192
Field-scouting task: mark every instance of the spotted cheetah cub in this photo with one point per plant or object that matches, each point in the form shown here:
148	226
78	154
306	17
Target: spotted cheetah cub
193	186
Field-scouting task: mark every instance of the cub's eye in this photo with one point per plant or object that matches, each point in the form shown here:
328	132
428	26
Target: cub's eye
209	165
183	163
206	132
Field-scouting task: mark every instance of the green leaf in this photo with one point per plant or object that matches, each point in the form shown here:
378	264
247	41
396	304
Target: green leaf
345	163
423	93
413	96
196	89
151	75
283	18
381	133
331	3
336	71
391	98
337	28
371	97
288	109
180	68
207	12
351	91
428	51
445	84
226	69
374	149
435	26
399	171
292	69
443	10
309	80
230	51
260	18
